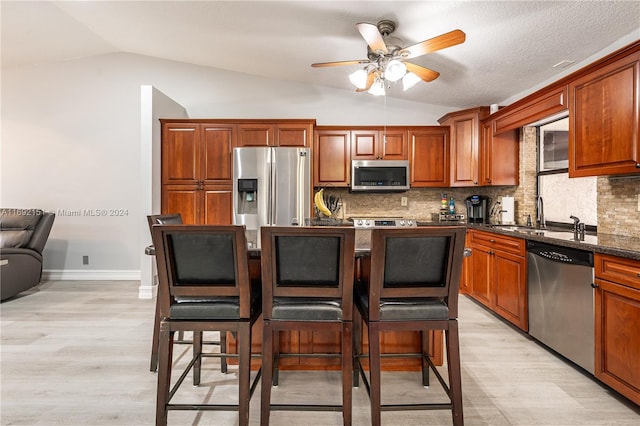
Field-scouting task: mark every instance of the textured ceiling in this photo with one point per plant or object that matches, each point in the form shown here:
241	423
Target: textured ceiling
510	46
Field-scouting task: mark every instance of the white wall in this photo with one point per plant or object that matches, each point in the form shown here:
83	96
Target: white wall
71	143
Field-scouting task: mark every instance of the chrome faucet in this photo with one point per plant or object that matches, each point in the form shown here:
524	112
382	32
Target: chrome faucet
578	228
540	217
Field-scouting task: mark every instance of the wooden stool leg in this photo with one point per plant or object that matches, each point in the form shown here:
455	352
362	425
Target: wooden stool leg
357	346
197	352
347	372
455	378
374	373
276	358
155	339
424	343
165	357
223	350
267	372
244	371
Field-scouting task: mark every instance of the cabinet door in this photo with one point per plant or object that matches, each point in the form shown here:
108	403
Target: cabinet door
617	310
180	153
256	134
294	134
183	199
481	266
464	150
604	120
364	145
217	204
393	144
331	158
509	288
499	156
429	157
218	141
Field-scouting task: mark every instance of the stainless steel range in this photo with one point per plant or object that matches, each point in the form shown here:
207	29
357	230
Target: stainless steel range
364	225
382	222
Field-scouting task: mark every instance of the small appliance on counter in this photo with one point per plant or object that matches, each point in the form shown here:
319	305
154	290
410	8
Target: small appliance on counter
507	211
477	209
444	216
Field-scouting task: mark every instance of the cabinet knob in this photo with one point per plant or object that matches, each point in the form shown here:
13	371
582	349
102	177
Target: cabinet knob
594	285
637	165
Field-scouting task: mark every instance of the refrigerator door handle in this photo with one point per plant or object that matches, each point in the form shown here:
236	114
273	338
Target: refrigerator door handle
271	214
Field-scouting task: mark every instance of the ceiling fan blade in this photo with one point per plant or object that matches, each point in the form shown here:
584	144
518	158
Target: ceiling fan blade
433	44
371	77
373	37
339	63
424	73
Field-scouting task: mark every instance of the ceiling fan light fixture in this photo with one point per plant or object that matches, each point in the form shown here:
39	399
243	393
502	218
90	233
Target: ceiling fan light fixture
395	70
377	88
409	80
359	78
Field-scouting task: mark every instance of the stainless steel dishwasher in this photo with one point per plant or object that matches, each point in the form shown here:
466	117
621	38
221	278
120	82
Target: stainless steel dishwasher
560	286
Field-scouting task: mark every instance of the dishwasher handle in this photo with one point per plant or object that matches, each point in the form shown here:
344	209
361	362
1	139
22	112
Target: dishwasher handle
560	254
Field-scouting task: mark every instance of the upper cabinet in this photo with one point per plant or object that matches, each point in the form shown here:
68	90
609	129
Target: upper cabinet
465	145
294	133
386	144
604	120
331	157
429	156
499	156
542	104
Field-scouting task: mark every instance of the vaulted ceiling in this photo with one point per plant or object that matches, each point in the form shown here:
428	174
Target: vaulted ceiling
510	47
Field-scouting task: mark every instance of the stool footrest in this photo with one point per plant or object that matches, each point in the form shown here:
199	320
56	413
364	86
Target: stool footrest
305	407
405	407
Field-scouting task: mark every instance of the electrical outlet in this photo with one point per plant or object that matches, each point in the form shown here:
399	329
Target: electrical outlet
85	260
403	201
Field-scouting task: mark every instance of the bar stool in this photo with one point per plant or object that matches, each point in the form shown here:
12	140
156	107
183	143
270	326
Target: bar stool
411	282
204	275
176	219
307	284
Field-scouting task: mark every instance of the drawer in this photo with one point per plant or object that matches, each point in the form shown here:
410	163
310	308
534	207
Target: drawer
513	245
618	270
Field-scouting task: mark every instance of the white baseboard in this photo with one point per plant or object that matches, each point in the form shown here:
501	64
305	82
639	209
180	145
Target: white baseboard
92	275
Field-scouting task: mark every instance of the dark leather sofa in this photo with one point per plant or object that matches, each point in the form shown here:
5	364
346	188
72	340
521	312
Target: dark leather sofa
23	235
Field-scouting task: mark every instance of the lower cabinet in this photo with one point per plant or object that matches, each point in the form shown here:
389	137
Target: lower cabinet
497	275
617	321
199	204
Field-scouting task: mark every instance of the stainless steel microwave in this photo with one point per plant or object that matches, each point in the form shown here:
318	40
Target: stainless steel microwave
380	175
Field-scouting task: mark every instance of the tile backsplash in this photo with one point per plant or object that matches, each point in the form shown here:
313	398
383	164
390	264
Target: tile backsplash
617	198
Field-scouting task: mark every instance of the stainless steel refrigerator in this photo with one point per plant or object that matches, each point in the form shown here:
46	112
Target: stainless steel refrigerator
271	186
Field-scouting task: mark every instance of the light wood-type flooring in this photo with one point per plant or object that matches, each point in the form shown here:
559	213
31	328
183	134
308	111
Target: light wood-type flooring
77	353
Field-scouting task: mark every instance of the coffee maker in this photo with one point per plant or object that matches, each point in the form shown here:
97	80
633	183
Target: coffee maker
477	209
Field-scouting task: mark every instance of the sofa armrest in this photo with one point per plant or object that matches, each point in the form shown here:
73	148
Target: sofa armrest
41	233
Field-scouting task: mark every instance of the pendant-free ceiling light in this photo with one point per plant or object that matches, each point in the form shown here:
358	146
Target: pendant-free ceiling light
395	70
409	80
359	78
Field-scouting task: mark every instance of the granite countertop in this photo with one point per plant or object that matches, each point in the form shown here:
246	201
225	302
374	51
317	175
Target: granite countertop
615	245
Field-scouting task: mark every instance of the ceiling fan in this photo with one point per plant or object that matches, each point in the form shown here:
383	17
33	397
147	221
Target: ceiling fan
387	60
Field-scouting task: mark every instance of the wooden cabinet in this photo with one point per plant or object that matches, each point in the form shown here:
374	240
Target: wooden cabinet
499	277
617	321
466	276
196	171
386	144
429	156
537	106
499	156
332	157
294	133
604	119
465	145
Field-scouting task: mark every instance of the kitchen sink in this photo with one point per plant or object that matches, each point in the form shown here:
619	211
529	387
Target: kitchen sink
523	229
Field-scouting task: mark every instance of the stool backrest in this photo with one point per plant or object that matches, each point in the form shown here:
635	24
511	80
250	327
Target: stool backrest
424	262
308	262
202	261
